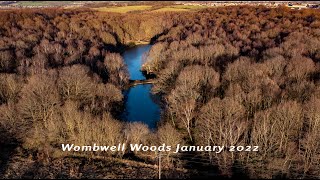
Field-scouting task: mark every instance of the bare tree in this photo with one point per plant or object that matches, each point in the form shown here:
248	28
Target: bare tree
10	86
103	98
38	110
182	103
74	83
116	68
299	68
169	136
136	133
167	77
310	150
274	129
222	123
81	128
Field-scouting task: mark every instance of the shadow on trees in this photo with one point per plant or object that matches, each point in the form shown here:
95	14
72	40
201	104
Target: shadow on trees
201	167
154	39
7	150
239	171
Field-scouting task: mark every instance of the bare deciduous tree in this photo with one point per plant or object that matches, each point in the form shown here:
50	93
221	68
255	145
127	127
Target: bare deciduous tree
222	123
310	150
74	83
10	86
182	102
116	68
136	133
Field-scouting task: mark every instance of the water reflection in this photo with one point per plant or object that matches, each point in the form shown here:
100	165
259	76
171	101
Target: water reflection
140	104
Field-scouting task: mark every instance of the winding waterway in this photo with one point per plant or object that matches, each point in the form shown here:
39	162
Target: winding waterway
140	104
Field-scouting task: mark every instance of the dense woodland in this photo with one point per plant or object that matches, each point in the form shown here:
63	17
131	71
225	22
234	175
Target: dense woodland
227	76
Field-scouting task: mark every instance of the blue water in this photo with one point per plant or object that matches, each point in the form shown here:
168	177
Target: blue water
140	104
133	59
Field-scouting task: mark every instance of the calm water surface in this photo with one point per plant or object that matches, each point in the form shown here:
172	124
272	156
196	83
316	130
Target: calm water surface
133	59
140	104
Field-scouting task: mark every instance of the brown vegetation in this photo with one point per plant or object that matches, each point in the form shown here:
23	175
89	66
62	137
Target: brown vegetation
244	76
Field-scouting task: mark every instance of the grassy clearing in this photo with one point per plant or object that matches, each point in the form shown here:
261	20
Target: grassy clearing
188	7
123	9
169	9
179	8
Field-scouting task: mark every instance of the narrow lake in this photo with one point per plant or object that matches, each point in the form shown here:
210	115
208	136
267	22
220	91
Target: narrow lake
140	104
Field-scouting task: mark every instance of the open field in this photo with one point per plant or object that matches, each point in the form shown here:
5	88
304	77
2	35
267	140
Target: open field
164	9
123	9
188	7
180	8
